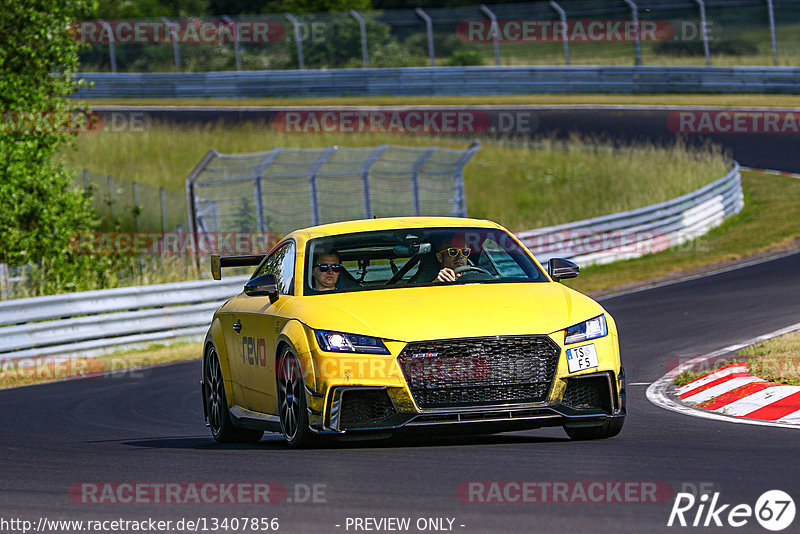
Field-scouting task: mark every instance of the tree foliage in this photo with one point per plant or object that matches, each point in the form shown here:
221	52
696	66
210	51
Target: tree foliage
38	210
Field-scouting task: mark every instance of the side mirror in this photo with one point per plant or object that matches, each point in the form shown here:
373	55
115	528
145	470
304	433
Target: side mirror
560	269
266	284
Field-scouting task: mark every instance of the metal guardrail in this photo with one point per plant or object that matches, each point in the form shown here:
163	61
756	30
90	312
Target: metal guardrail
98	321
634	233
411	81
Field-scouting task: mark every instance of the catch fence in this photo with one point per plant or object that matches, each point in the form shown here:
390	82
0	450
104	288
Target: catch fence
288	188
546	32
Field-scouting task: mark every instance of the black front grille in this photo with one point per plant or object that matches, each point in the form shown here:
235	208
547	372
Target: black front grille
365	406
590	393
479	371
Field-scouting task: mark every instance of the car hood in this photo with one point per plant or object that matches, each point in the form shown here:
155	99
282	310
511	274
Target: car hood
443	312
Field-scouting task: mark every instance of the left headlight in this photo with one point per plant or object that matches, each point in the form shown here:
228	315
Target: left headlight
591	329
341	342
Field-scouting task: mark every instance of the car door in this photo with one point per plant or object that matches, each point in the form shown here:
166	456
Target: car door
261	324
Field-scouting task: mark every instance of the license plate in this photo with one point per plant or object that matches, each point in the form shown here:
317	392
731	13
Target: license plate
581	358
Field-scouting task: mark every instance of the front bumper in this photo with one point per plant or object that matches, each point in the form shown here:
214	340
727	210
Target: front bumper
488	419
353	402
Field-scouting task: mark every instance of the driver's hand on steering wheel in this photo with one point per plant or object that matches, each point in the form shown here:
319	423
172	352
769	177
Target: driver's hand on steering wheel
447	275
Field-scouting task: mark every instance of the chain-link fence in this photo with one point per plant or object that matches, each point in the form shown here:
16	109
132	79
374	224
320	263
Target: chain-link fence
287	188
126	206
552	32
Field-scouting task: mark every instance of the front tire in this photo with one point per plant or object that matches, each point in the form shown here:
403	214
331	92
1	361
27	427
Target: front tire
292	406
219	417
609	429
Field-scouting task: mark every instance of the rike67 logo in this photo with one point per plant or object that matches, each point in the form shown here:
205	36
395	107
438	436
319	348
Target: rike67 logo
774	510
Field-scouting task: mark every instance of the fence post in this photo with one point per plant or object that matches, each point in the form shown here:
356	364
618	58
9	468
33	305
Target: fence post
236	50
175	51
110	197
191	206
261	216
705	30
111	52
459	193
771	9
365	168
136	206
415	167
429	30
312	183
297	39
163	197
4	281
495	33
637	45
363	26
564	39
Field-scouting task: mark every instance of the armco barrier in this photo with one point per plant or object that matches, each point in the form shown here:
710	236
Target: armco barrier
98	321
634	233
443	81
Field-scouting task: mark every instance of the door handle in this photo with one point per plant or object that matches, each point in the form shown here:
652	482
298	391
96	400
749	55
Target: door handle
237	327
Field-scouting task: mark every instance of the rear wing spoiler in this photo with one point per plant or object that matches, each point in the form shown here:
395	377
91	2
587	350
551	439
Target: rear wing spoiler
218	262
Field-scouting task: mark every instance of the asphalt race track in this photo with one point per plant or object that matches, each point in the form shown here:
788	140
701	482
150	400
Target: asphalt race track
148	427
751	144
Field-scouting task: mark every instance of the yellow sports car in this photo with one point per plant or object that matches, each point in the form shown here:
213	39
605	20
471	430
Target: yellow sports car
374	327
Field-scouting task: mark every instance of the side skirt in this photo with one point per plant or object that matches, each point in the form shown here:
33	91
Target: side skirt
243	418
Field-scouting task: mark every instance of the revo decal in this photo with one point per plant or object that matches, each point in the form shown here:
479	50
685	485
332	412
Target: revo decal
254	351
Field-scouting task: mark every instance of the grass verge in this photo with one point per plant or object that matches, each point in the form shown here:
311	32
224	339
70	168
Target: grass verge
520	185
776	360
765	226
25	372
662	99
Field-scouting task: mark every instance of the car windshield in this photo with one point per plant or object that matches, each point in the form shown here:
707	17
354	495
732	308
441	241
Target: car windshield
413	257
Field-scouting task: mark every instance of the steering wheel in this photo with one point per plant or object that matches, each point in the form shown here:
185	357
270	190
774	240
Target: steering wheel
471	272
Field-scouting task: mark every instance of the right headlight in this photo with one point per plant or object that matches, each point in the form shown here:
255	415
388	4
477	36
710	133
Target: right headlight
591	329
342	342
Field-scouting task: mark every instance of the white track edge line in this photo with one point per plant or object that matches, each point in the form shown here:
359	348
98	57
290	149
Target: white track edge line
657	392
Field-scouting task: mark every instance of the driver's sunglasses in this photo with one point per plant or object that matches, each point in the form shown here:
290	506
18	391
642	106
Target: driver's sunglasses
453	252
323	267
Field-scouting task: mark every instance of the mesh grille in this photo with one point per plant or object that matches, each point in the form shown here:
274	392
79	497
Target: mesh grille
365	406
587	394
479	371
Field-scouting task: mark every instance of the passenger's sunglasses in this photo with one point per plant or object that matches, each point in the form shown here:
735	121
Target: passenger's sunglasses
453	252
323	267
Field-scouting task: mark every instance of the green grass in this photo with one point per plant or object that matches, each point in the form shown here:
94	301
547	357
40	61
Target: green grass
767	224
667	99
516	184
776	360
48	369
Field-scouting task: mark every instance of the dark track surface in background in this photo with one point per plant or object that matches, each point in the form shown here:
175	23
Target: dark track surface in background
148	428
634	123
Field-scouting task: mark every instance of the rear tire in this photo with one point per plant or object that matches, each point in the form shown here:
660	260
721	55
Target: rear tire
219	417
609	429
292	406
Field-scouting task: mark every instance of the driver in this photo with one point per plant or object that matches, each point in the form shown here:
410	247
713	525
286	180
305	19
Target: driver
326	269
452	254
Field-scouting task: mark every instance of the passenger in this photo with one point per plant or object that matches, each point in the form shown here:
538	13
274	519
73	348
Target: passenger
326	272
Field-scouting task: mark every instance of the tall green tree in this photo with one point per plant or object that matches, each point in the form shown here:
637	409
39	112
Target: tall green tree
38	210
